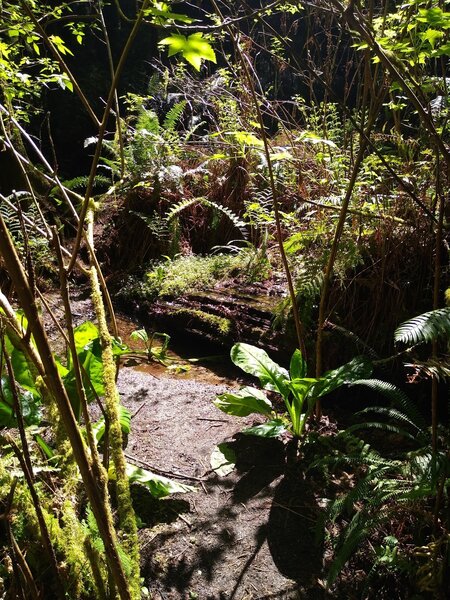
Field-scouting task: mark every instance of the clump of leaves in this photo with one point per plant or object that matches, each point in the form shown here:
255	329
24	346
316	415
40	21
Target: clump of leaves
298	392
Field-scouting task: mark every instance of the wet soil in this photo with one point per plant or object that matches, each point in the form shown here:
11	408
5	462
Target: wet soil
245	536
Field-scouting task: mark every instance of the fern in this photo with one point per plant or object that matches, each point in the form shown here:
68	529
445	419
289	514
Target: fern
173	116
147	122
398	399
11	218
184	204
309	287
81	182
384	486
356	532
157	225
91	529
431	368
156	85
424	328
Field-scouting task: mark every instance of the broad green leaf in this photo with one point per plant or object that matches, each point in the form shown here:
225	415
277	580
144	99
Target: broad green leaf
30	405
193	49
435	17
223	459
119	348
44	446
6	404
83	334
298	367
246	138
270	429
162	14
301	386
299	389
158	485
431	36
245	402
140	335
92	362
257	362
358	368
98	428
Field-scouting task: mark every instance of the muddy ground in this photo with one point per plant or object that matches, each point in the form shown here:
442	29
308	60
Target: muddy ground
246	536
243	536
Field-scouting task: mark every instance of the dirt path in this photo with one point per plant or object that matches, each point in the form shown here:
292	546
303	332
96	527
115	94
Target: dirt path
246	536
241	536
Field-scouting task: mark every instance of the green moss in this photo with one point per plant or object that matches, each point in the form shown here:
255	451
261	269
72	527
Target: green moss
189	273
127	519
221	324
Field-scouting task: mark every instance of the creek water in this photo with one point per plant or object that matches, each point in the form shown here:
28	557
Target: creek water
185	359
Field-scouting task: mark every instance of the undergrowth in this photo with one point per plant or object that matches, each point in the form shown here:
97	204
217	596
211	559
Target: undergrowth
193	273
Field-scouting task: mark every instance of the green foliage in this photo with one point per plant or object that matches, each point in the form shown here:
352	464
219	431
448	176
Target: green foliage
188	273
98	428
384	484
194	48
299	392
424	328
25	67
184	204
158	352
158	485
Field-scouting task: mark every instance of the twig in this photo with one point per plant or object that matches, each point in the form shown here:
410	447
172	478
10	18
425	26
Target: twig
188	523
138	410
162	471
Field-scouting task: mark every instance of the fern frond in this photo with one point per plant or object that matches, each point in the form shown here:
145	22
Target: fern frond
359	529
309	287
156	224
173	116
385	427
397	397
155	85
180	206
148	121
11	219
432	368
390	414
424	328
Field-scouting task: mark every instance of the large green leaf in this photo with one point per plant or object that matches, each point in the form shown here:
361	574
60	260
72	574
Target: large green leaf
298	367
158	485
90	357
30	405
358	368
193	49
270	429
245	402
84	334
257	362
98	428
299	389
223	459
